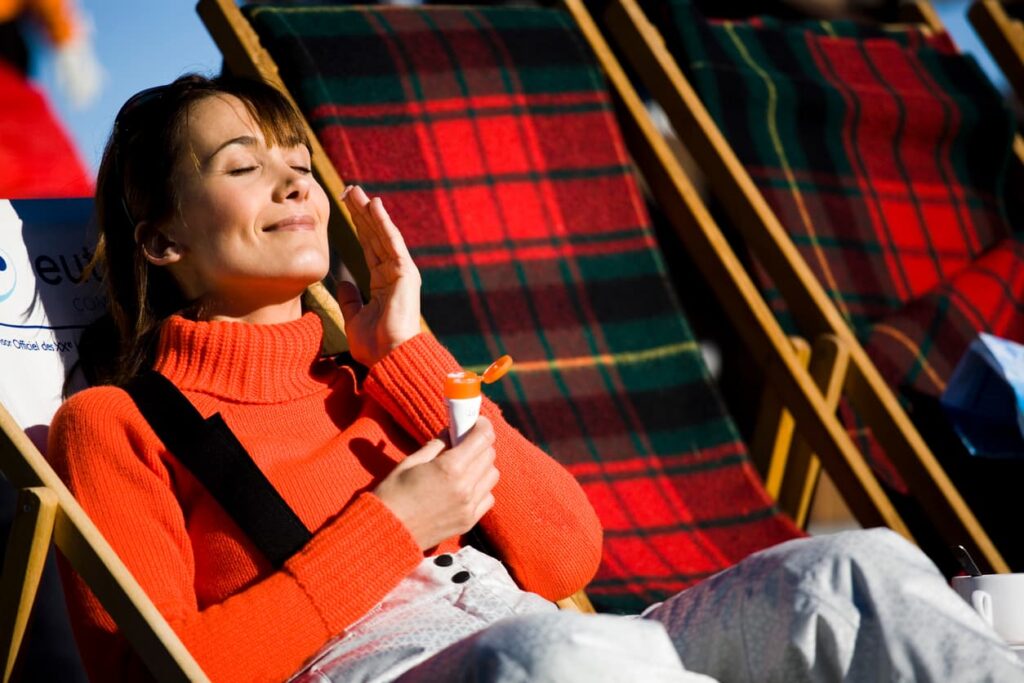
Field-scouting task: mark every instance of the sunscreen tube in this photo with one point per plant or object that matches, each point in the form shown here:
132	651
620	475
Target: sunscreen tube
462	395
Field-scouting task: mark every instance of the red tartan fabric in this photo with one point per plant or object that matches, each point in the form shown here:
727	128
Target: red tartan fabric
917	211
898	221
494	160
37	159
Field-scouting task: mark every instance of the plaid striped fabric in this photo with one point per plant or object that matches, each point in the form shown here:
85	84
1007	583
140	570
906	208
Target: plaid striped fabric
884	163
491	137
884	154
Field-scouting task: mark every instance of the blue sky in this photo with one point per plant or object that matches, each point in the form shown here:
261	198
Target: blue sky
140	43
146	42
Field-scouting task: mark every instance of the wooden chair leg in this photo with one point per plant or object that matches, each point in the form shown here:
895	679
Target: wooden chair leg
577	602
27	547
773	433
830	360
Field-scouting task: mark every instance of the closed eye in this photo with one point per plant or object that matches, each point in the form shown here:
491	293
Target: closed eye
304	170
242	170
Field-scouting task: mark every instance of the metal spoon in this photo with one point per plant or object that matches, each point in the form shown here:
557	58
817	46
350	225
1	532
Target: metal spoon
966	561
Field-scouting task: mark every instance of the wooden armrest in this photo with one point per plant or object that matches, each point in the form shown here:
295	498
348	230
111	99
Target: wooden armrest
773	433
830	360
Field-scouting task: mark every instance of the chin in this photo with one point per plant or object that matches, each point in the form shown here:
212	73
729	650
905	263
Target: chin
310	266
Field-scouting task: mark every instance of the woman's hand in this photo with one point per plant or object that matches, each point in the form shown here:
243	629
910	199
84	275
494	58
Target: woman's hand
439	493
392	315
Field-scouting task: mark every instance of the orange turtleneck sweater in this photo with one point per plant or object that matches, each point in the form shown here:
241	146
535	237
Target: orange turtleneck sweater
324	443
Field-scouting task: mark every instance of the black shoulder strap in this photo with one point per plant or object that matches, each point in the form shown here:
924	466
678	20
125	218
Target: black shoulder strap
212	453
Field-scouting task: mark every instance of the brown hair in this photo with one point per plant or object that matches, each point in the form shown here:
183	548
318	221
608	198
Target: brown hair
136	182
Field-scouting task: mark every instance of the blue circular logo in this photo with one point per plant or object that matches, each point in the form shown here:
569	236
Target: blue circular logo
8	276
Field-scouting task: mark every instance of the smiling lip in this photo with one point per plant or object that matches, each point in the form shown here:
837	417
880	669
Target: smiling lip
292	223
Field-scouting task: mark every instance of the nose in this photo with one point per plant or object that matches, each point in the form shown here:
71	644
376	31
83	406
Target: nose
293	185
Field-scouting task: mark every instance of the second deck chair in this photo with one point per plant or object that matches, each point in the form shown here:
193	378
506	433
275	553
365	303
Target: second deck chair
490	135
864	169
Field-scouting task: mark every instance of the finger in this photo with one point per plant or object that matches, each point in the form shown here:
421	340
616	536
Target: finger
349	300
355	199
368	223
477	439
356	202
392	242
487	481
351	198
483	506
379	223
428	452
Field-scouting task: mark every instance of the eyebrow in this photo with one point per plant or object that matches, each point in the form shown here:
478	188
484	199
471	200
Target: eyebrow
244	140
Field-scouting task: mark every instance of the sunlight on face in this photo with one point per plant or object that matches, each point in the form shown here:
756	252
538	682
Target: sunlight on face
251	222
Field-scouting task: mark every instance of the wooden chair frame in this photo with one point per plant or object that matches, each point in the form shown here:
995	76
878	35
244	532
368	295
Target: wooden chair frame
810	305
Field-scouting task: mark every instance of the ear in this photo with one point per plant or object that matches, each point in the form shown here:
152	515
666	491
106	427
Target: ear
158	246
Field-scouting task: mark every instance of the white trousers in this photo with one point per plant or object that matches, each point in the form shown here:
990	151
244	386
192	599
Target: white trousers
857	606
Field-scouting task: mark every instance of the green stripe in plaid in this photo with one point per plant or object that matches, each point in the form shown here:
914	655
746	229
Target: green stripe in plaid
492	137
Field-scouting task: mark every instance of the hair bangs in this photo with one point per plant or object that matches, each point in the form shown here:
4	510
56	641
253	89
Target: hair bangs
278	121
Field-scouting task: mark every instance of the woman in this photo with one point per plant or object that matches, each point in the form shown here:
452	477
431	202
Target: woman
211	228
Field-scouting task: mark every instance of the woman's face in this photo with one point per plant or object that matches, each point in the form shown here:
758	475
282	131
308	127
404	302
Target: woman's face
251	225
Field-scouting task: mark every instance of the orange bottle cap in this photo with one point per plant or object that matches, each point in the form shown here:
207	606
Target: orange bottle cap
466	384
462	385
497	369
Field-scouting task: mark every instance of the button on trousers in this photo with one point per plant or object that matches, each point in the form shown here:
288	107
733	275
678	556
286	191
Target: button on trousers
857	606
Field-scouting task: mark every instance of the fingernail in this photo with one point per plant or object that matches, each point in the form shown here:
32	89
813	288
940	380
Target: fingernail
345	193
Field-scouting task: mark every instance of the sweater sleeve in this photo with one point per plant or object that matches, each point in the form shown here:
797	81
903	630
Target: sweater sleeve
109	458
542	524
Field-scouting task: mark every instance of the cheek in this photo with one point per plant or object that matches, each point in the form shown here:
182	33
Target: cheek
323	206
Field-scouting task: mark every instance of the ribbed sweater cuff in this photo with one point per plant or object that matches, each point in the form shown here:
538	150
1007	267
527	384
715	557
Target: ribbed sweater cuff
364	553
409	382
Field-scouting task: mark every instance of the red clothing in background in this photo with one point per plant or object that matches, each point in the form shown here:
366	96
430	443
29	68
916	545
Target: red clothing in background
37	159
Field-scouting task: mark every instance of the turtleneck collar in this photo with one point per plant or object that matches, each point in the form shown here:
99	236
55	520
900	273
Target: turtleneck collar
242	362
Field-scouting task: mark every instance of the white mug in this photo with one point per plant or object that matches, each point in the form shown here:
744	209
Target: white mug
999	599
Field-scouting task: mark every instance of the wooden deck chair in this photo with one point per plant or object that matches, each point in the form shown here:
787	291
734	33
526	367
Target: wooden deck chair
491	135
904	302
43	247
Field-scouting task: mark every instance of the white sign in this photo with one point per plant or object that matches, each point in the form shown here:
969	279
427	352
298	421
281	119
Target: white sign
44	304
